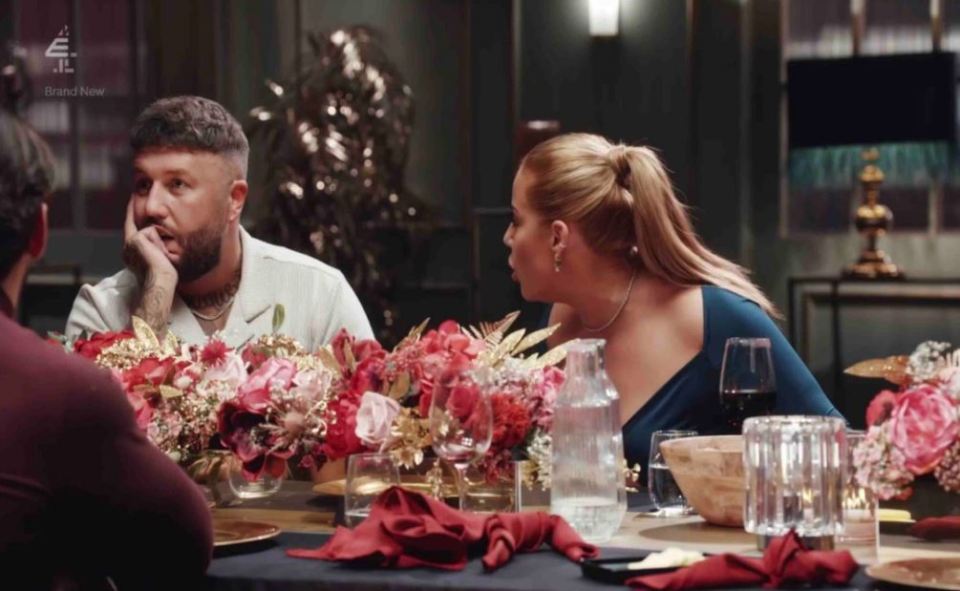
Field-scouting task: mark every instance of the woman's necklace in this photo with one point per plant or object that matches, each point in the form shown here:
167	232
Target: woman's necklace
616	314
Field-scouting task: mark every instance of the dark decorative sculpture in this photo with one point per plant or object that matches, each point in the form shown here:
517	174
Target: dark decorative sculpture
336	140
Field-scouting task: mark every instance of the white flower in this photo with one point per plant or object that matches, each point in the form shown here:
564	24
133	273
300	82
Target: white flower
375	417
232	371
926	360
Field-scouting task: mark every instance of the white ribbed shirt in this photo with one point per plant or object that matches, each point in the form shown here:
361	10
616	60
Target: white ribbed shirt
316	298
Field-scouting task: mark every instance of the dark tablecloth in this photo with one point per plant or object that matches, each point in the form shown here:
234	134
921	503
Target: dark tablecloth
264	566
268	568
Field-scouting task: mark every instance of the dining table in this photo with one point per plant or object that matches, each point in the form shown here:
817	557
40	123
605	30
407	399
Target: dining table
306	519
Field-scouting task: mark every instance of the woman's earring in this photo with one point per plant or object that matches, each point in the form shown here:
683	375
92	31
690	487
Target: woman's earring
556	263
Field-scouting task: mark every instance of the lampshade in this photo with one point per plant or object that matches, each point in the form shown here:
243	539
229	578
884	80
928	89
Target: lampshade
604	18
872	99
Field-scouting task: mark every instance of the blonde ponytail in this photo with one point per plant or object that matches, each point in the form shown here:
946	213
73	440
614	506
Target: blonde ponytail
623	201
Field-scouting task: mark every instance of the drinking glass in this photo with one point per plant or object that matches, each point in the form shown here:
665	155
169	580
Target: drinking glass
794	471
461	425
664	492
368	475
748	386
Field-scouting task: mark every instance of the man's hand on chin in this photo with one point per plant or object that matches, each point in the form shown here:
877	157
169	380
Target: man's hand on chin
145	255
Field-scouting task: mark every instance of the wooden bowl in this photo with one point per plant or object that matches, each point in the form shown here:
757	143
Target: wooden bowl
709	471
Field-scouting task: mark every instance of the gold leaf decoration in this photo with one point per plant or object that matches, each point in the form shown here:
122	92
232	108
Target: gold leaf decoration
329	360
491	333
535	338
893	369
170	343
552	357
400	386
170	391
414	335
502	351
144	333
279	314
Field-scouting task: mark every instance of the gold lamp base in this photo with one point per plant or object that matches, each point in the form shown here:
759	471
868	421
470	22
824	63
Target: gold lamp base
874	265
873	220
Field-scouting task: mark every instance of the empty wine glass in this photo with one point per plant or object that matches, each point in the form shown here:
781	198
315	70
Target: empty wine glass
461	423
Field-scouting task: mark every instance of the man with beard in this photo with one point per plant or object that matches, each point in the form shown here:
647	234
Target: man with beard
191	268
83	494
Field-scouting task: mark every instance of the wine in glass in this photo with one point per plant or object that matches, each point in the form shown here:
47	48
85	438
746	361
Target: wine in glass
461	424
748	385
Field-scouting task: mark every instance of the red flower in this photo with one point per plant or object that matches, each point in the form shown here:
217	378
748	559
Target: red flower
449	338
368	377
368	349
511	421
151	371
426	396
463	399
214	352
342	437
236	424
340	341
880	407
360	351
253	357
92	347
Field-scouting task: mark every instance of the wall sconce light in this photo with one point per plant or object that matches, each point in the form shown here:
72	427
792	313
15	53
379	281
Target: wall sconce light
604	18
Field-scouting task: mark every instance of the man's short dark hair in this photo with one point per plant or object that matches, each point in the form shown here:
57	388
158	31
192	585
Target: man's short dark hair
191	123
26	178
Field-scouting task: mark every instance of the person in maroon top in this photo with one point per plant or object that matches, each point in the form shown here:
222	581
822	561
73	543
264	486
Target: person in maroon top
83	495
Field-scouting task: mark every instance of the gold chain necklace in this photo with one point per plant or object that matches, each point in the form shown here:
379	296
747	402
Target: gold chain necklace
616	314
229	292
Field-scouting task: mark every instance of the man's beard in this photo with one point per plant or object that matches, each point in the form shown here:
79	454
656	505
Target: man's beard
201	253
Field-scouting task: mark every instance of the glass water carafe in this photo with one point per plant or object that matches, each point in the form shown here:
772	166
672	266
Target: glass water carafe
587	477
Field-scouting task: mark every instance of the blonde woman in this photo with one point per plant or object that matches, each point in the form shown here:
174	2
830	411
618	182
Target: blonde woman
598	232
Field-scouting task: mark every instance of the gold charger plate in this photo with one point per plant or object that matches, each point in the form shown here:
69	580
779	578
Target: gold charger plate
230	532
415	483
931	573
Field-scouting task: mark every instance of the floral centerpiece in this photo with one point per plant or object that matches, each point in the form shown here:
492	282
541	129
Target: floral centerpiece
266	402
913	430
271	401
387	394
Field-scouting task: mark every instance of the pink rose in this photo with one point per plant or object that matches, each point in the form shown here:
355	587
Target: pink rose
310	384
274	373
546	392
923	426
375	417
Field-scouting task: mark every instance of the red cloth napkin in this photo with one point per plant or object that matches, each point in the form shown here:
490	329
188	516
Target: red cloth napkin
407	529
784	562
936	528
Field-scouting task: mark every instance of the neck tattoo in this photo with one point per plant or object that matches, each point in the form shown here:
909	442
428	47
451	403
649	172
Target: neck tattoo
219	300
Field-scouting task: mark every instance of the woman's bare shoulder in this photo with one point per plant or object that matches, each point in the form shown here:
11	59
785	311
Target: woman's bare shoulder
686	311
